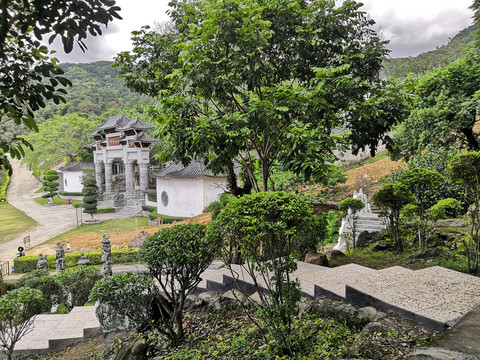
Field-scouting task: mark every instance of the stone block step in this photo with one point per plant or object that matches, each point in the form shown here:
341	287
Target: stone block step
54	332
331	283
436	297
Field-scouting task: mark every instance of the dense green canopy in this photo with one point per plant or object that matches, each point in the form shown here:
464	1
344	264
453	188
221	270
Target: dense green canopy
264	82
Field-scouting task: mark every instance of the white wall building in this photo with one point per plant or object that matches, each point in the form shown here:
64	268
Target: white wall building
72	176
187	191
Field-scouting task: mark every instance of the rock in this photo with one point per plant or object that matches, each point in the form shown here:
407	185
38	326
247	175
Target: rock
235	296
211	299
111	321
135	349
317	259
336	254
139	239
381	246
370	314
366	343
366	238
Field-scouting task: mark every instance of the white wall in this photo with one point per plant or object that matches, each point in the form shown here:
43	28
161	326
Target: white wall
72	181
187	197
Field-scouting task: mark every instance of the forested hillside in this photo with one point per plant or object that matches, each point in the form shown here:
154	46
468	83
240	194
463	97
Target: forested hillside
96	93
430	60
96	88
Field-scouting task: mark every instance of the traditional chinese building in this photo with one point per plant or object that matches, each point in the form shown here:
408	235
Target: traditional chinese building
121	148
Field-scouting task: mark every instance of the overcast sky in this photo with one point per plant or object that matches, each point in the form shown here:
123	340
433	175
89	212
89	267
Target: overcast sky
412	26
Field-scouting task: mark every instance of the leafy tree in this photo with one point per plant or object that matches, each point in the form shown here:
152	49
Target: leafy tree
131	295
17	313
350	207
270	230
90	193
30	75
50	185
444	109
176	257
76	284
465	168
264	82
393	197
423	184
59	138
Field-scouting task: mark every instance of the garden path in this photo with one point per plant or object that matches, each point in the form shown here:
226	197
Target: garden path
52	220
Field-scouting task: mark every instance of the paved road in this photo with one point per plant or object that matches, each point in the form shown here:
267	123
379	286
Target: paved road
52	220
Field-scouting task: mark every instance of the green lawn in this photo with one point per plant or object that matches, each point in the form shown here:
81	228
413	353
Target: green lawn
105	227
56	200
14	222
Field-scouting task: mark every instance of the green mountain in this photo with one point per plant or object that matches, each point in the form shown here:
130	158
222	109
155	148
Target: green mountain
96	89
441	56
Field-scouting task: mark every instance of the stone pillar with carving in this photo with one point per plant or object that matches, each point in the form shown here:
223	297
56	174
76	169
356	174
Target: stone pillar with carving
98	176
143	177
108	178
106	256
129	185
60	258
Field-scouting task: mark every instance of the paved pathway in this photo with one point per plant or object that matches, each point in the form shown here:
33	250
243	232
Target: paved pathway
52	220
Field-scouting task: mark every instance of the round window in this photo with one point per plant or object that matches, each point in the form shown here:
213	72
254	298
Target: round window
164	198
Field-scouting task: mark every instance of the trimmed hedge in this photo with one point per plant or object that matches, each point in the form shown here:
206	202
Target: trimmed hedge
25	264
148	208
106	210
3	186
66	193
166	219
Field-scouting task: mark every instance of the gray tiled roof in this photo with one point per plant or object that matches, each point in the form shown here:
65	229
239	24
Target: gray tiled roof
114	122
78	166
135	124
144	137
196	169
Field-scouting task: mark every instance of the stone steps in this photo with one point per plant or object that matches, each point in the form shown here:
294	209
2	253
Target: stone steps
55	332
436	297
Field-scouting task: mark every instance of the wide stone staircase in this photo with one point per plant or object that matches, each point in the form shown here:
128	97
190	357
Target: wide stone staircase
369	222
436	297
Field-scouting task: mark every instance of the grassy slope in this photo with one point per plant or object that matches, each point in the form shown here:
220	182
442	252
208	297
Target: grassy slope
14	222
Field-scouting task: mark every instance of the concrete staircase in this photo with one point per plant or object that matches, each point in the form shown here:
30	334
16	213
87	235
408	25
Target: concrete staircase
55	332
436	297
369	222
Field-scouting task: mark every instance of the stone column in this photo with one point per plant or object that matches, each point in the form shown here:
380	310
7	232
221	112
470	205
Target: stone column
129	179
98	176
143	176
108	178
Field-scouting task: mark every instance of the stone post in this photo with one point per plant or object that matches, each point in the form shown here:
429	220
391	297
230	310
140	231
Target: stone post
108	178
143	177
106	257
129	179
60	258
98	176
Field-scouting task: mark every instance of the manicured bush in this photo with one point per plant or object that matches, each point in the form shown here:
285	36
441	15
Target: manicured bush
267	232
76	284
28	264
177	255
445	209
106	210
166	219
31	275
4	181
90	193
148	208
50	185
66	193
49	288
9	286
